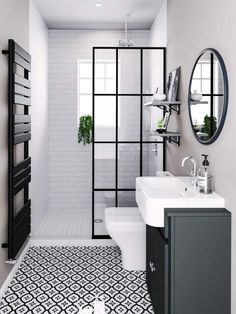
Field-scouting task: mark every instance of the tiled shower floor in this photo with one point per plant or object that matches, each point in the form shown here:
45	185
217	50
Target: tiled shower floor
65	224
60	279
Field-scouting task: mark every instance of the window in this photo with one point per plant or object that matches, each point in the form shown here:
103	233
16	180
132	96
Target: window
202	77
105	83
201	82
84	88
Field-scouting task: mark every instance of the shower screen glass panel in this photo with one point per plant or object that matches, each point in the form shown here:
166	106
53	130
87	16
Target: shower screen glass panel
129	60
102	200
153	65
129	118
151	117
152	159
126	199
128	165
105	118
105	166
105	72
122	149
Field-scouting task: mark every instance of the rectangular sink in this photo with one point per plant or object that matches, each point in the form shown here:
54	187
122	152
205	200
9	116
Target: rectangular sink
154	194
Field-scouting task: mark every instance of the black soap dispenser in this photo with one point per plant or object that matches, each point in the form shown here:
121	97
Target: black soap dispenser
205	180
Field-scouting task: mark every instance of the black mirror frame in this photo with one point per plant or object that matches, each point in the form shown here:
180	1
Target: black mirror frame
226	96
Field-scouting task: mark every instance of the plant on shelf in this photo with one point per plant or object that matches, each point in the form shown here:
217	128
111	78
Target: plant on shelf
160	124
210	125
85	129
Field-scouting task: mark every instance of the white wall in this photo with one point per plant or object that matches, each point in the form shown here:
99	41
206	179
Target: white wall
70	162
38	48
193	26
13	25
158	36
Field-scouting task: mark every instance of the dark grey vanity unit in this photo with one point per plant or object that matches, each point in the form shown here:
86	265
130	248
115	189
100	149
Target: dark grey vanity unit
189	262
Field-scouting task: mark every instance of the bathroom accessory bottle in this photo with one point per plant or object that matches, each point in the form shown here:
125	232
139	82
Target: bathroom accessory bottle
205	180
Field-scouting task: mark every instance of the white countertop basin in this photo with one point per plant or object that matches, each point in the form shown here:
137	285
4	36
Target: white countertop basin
154	194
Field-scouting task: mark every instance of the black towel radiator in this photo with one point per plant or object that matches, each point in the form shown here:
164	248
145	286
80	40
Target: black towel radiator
19	132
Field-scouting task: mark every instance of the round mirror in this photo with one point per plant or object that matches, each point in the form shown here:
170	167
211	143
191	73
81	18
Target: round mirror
208	96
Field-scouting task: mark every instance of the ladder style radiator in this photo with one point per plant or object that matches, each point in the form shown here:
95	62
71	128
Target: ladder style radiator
19	135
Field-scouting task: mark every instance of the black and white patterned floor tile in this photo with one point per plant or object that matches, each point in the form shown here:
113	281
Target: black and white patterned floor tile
59	279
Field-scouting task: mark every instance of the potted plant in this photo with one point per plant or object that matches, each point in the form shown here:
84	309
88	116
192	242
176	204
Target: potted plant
85	129
163	123
210	125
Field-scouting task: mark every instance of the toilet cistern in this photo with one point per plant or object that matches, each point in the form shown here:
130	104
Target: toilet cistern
193	172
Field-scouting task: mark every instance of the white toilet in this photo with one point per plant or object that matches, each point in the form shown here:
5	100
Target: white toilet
127	228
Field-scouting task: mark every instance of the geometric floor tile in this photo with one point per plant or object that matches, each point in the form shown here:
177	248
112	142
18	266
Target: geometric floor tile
58	280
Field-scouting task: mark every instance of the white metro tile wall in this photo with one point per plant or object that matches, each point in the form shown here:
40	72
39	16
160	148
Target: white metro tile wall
70	183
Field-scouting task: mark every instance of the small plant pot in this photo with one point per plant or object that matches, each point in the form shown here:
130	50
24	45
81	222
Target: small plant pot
160	130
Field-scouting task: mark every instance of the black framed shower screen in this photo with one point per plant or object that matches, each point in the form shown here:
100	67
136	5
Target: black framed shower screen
115	190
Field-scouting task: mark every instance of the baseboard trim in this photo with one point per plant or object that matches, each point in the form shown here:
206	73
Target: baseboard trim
71	242
14	270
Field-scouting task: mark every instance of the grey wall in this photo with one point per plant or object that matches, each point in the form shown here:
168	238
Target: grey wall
193	26
14	23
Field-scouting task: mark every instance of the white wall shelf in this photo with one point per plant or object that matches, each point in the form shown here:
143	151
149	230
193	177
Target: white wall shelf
192	102
172	105
170	136
165	105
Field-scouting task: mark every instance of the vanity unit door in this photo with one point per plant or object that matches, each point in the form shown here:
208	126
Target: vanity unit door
156	269
189	262
200	265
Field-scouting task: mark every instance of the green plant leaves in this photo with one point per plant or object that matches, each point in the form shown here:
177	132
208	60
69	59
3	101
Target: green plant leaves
210	125
160	124
85	129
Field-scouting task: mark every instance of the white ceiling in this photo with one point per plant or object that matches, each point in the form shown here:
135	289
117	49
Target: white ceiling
83	14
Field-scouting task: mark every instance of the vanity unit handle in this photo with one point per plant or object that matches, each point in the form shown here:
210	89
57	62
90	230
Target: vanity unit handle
152	266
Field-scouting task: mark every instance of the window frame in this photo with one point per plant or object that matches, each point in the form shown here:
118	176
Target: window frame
104	78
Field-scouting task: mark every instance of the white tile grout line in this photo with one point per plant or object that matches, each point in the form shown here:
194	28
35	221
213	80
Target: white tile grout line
50	242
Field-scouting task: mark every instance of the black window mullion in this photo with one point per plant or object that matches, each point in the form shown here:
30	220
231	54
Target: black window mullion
141	112
93	142
117	120
121	94
212	94
164	91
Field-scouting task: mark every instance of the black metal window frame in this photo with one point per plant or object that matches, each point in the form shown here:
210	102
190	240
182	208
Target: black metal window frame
141	142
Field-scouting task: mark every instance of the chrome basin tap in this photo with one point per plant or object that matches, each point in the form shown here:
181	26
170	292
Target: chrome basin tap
193	172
